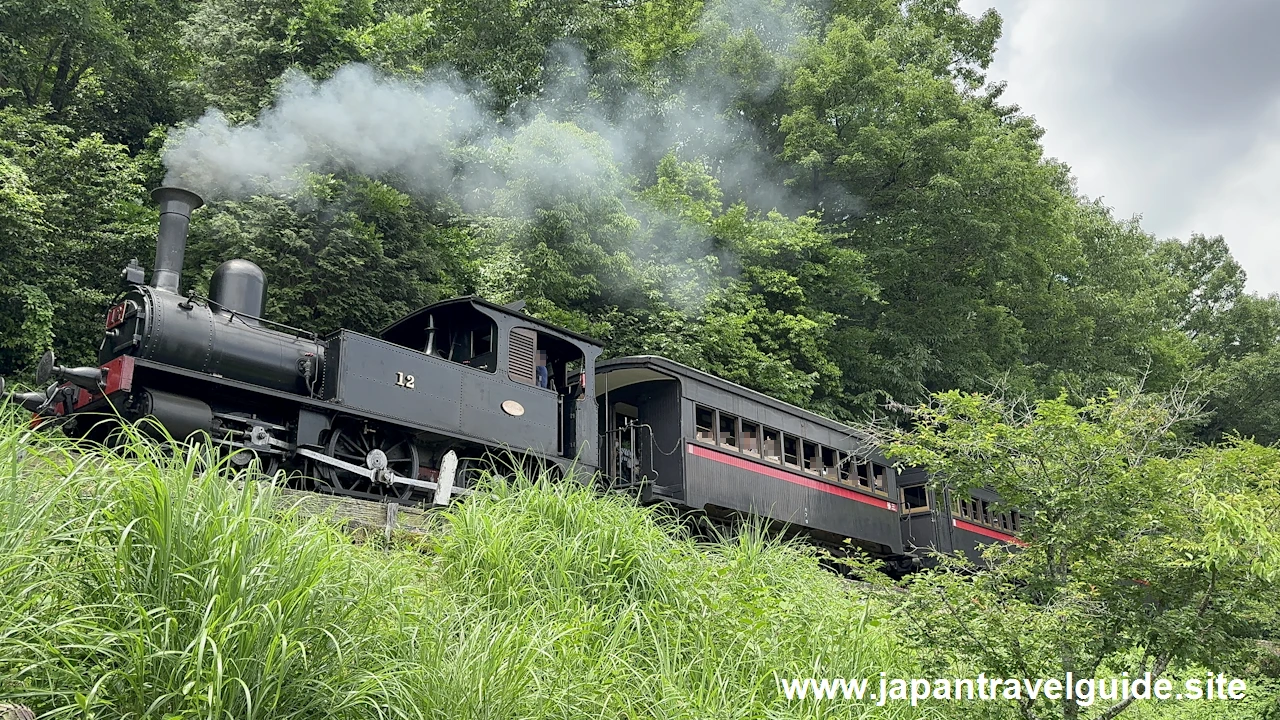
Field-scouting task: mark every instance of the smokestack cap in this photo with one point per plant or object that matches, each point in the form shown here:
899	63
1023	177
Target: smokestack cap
176	200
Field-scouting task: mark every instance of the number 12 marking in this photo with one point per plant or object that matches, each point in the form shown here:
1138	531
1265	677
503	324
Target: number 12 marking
404	381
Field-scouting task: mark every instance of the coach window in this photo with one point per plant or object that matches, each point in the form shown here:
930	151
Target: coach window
772	445
984	513
864	475
849	470
812	460
829	464
964	508
728	431
791	450
750	438
705	420
1016	519
880	479
915	500
841	472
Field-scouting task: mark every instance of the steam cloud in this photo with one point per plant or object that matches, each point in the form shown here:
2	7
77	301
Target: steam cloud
438	137
355	120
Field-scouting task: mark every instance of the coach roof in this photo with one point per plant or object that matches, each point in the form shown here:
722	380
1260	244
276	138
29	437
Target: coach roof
662	365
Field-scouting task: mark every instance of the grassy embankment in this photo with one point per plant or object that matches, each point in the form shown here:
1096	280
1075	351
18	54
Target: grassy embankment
151	586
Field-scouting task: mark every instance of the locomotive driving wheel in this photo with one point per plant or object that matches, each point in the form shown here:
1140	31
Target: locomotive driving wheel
372	447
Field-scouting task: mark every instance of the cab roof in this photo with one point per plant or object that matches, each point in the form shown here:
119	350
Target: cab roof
418	317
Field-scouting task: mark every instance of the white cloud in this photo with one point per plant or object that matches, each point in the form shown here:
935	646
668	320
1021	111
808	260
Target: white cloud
1243	205
1164	109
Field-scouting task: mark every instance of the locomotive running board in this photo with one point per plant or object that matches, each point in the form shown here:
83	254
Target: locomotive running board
391	477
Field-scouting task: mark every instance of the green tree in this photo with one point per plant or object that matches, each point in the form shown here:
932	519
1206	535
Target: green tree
50	47
26	326
99	66
86	216
965	226
1108	315
503	44
345	253
1141	555
1233	332
243	47
1243	397
762	288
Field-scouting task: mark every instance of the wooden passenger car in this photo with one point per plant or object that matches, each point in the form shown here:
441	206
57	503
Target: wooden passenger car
940	519
682	436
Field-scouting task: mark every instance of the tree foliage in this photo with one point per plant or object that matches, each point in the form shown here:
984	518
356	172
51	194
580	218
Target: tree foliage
823	201
374	248
1141	554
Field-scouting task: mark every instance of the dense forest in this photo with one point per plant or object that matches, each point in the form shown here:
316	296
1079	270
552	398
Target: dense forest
826	201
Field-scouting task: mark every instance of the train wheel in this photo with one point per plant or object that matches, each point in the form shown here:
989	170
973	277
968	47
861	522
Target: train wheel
355	442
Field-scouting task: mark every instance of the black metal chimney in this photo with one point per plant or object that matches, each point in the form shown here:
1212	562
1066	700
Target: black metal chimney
176	205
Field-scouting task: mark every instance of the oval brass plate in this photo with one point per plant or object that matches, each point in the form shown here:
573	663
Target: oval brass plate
513	408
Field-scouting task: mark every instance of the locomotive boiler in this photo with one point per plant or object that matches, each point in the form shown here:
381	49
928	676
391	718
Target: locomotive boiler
222	336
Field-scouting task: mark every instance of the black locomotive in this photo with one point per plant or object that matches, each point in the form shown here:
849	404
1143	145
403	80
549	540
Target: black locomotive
409	415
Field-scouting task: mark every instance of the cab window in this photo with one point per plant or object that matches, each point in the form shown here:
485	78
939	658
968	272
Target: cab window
543	360
460	334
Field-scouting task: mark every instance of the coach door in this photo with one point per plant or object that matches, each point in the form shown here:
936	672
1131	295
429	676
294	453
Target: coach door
622	441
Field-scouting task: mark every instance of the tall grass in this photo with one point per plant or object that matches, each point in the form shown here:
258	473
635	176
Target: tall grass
149	584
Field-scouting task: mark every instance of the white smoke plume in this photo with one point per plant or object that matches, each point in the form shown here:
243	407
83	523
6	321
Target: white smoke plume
437	137
355	120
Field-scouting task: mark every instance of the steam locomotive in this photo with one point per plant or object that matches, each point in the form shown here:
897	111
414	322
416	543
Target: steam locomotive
413	414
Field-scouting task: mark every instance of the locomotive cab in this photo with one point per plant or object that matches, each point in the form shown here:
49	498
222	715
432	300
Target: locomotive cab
505	377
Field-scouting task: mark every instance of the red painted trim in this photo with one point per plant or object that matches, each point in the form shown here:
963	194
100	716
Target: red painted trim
721	456
119	379
985	532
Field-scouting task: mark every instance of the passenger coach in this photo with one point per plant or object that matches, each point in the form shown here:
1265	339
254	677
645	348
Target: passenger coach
940	519
700	442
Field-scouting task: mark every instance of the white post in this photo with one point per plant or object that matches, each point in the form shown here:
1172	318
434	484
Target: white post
448	467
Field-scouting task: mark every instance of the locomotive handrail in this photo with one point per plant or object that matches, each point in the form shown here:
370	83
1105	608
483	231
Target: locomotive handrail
298	332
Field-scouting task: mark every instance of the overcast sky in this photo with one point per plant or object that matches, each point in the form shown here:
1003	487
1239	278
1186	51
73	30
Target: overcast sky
1168	109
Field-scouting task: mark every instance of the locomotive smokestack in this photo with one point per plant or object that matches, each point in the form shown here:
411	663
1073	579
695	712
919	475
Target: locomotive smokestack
176	205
